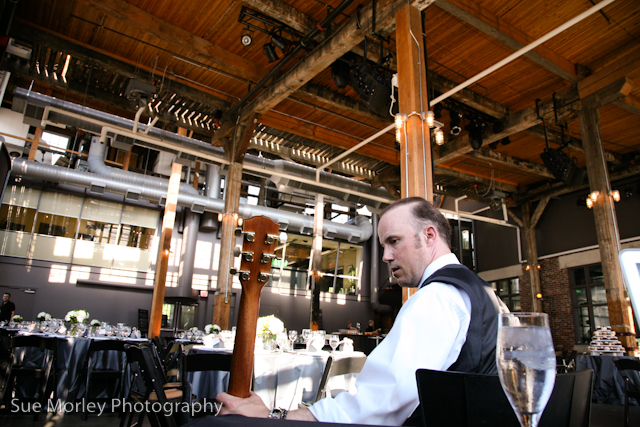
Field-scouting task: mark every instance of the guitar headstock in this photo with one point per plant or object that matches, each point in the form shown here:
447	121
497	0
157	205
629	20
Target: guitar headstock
259	238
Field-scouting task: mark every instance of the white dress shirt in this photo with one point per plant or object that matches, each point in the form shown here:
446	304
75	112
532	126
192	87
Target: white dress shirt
428	332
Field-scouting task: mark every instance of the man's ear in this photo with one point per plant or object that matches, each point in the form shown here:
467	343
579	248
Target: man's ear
430	234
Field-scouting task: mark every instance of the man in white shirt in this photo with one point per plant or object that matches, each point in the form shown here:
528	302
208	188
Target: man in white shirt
429	332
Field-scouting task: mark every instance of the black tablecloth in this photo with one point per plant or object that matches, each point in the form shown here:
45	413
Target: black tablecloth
608	384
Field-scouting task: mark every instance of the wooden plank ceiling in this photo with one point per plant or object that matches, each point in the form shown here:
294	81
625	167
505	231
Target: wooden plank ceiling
193	54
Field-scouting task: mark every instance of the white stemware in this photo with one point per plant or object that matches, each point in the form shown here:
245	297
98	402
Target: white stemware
526	363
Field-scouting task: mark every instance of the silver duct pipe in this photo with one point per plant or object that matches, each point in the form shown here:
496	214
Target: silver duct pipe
359	231
187	257
96	165
283	173
208	220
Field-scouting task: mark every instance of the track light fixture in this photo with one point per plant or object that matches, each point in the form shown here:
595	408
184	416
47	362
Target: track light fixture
246	39
270	51
505	141
437	110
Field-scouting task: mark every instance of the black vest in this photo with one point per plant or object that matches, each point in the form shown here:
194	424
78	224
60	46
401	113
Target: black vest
478	354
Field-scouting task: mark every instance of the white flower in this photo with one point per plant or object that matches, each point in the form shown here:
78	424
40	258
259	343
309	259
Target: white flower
194	329
95	322
42	316
269	324
17	318
212	329
77	316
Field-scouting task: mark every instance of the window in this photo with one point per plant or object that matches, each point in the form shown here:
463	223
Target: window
589	300
508	290
56	141
340	265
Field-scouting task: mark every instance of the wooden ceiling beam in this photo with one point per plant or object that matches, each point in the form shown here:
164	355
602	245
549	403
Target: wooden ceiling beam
629	103
467	96
343	102
340	43
178	38
329	136
513	162
610	74
498	185
502	31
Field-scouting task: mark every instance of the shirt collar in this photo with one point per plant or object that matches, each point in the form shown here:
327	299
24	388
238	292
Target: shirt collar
437	264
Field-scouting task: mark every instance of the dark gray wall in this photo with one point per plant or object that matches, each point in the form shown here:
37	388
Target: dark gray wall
496	246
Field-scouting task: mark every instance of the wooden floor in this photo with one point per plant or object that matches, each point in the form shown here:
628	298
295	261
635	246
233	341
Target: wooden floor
601	416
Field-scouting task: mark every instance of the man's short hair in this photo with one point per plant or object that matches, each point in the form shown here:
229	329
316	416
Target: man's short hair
424	214
7	293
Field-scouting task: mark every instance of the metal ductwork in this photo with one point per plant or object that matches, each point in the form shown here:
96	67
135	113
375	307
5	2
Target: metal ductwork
187	257
288	176
356	232
209	220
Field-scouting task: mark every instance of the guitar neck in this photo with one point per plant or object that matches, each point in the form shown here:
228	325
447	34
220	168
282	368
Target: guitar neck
257	252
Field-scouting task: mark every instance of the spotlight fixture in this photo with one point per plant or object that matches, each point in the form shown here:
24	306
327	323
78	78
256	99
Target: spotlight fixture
270	51
246	39
340	73
280	42
476	129
454	124
494	145
505	141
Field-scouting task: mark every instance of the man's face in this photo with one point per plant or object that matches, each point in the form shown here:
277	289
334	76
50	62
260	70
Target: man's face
405	252
5	297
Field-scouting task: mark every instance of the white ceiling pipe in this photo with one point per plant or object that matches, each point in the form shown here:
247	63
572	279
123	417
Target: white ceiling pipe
522	51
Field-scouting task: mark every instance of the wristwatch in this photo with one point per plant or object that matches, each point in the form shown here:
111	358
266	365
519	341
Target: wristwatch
278	414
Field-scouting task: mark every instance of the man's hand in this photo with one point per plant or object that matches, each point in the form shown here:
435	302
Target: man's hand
251	406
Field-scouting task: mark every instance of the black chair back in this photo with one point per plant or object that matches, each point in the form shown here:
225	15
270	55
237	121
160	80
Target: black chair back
33	378
200	362
629	368
475	400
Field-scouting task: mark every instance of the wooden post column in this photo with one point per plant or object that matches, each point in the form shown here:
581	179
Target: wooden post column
155	320
415	142
416	175
34	145
222	306
606	225
531	251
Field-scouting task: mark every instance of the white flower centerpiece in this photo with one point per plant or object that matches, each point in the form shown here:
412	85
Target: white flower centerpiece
212	329
79	320
42	316
17	318
95	326
269	327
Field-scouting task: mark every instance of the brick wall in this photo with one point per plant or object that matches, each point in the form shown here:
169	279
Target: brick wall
556	301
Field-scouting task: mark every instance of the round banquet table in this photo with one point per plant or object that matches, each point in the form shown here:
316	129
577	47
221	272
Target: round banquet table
282	380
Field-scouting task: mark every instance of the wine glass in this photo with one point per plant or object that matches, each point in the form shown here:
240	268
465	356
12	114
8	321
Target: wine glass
334	341
526	363
293	335
281	340
306	334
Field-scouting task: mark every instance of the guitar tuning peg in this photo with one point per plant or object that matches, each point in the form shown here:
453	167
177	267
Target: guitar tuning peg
249	236
247	256
243	275
264	277
237	251
266	258
271	238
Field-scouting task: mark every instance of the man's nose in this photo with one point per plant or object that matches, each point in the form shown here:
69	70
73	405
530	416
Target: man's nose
387	255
